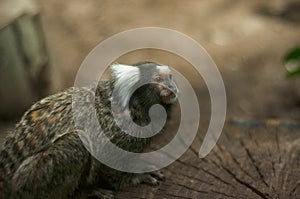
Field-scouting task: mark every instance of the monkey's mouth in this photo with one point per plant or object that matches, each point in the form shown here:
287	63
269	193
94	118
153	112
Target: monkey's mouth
168	97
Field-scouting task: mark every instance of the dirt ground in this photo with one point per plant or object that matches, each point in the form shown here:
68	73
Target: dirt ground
246	39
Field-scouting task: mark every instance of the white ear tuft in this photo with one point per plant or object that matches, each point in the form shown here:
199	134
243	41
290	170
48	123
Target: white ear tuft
117	69
125	78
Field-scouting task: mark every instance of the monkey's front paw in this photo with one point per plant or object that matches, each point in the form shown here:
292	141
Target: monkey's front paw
151	178
158	175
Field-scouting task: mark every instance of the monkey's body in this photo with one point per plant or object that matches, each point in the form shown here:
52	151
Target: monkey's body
44	157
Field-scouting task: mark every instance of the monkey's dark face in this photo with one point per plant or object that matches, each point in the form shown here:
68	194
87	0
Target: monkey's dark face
166	87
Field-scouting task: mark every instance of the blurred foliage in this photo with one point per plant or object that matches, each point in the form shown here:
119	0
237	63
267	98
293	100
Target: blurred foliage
292	62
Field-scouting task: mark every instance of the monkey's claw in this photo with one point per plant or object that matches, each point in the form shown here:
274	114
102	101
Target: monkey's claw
151	178
158	175
102	194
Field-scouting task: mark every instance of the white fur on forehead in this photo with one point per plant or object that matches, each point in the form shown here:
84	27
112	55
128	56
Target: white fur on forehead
125	78
163	69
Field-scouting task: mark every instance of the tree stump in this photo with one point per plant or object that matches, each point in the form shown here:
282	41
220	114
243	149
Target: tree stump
23	57
251	160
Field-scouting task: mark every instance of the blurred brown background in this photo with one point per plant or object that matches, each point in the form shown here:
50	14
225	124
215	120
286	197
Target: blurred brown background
246	39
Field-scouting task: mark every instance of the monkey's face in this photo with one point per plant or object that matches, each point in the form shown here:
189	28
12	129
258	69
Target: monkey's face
166	87
157	80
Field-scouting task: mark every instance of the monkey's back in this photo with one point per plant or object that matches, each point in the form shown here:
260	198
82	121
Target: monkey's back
43	124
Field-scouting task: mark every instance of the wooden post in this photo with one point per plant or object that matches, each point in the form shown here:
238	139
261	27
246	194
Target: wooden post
251	160
23	57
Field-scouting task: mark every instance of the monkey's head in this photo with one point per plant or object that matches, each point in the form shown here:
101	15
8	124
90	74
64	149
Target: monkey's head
152	82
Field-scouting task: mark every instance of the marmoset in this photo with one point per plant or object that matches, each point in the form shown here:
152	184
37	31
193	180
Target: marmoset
44	156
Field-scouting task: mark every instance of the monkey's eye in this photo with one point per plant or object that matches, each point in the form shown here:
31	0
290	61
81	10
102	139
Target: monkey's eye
158	78
170	76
